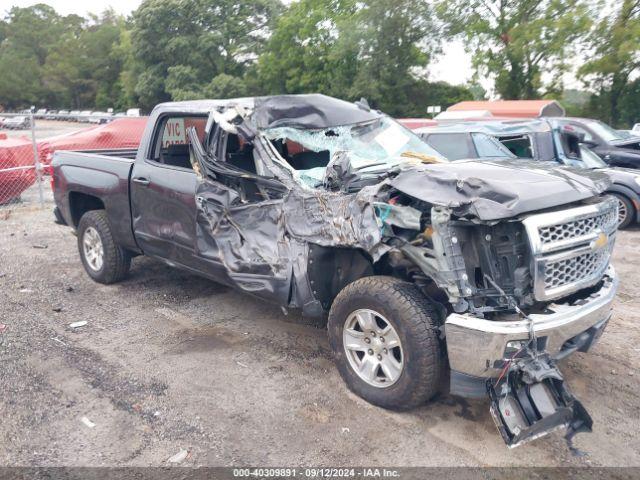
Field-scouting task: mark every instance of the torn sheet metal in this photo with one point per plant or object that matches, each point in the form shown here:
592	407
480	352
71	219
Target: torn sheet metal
332	219
398	215
262	247
499	189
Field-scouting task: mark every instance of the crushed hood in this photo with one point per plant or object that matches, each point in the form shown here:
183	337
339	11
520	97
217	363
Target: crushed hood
499	189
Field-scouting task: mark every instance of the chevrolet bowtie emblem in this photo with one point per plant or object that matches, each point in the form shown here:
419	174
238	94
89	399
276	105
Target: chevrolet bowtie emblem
600	242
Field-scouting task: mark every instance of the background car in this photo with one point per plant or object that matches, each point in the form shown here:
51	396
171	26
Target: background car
538	140
616	148
100	117
84	116
17	171
17	123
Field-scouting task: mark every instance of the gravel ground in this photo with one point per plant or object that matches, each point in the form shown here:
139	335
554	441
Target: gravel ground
169	361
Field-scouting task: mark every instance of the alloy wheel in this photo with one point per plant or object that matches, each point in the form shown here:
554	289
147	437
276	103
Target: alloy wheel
373	348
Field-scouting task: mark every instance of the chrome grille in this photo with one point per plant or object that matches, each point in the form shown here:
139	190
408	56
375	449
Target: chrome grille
571	270
555	233
571	248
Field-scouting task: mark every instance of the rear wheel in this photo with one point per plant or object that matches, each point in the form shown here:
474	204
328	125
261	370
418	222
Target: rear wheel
626	211
104	260
384	337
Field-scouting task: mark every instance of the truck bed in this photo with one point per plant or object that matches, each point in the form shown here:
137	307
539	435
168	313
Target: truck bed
102	178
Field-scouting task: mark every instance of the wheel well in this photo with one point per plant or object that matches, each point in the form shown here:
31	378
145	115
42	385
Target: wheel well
330	269
81	203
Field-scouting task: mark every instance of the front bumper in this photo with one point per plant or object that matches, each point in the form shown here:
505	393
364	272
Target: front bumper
477	347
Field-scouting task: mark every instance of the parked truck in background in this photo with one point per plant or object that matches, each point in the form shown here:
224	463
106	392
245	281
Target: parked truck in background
491	268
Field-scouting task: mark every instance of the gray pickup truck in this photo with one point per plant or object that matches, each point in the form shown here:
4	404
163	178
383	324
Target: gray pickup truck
488	271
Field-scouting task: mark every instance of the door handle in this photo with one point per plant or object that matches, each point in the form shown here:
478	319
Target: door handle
141	181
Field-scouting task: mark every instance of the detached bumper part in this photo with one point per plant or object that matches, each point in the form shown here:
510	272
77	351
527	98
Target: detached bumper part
526	408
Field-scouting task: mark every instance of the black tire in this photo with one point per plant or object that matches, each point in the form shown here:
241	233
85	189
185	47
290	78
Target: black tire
414	319
116	260
630	210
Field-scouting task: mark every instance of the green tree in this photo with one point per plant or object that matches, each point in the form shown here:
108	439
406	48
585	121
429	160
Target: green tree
351	49
396	40
83	68
523	44
616	58
226	86
182	45
28	36
308	51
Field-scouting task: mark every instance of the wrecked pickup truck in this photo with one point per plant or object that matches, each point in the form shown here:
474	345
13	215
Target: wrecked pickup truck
331	207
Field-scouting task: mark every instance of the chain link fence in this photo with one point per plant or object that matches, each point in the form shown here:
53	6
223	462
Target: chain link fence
22	177
28	141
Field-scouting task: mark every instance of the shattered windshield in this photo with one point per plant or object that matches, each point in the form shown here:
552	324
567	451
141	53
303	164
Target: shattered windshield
372	146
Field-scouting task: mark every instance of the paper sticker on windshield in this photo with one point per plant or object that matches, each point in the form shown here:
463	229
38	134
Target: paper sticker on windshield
392	139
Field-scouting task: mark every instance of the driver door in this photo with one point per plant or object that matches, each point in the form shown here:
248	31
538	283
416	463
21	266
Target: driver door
239	224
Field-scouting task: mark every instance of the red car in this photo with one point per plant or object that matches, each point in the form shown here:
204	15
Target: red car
122	133
17	169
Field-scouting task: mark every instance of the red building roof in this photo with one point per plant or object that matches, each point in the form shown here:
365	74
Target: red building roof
513	108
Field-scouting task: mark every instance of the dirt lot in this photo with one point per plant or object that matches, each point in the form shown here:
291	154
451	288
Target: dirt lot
169	361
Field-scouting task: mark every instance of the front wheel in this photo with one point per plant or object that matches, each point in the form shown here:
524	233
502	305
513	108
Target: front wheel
626	211
384	337
104	260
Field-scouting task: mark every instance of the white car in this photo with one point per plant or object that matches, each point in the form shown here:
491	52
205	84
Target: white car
17	123
636	129
84	116
100	117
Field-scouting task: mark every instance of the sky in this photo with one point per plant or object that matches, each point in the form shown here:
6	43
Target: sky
454	66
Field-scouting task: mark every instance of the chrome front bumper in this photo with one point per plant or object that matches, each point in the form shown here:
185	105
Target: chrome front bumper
476	347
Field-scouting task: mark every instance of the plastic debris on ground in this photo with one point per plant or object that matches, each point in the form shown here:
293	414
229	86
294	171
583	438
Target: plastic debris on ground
179	457
78	324
87	422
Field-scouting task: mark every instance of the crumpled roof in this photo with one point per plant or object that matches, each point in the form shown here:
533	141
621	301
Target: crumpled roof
314	111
